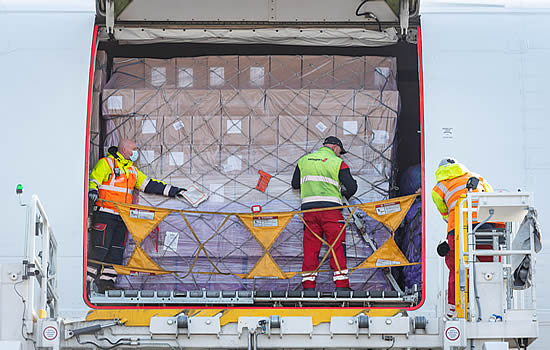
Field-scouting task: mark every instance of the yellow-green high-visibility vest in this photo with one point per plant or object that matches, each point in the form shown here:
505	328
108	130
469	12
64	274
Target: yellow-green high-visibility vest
319	177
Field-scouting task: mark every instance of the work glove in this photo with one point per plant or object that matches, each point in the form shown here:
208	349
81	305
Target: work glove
443	249
93	195
180	192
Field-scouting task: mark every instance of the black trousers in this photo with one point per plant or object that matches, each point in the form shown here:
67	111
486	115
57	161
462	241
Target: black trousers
107	237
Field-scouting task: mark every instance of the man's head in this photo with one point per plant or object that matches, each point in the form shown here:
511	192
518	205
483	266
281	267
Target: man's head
126	148
447	161
334	144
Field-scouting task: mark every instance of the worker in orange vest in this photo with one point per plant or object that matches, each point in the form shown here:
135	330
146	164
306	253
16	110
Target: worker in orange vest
114	179
451	179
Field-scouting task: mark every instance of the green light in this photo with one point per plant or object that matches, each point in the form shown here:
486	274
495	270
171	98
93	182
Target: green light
19	189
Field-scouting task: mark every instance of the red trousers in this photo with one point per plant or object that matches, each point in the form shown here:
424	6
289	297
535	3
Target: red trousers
327	223
450	262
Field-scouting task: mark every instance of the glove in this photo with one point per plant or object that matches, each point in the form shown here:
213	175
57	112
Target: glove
93	195
443	249
180	192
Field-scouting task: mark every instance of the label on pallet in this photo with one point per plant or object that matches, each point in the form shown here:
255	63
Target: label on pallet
265	221
388	208
142	214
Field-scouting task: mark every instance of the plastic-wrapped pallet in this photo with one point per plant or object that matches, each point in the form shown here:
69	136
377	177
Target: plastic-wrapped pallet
214	122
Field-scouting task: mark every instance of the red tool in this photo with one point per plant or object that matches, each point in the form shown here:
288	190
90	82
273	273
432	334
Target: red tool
263	181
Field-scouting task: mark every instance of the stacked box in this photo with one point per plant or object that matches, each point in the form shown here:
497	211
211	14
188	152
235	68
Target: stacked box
217	121
191	72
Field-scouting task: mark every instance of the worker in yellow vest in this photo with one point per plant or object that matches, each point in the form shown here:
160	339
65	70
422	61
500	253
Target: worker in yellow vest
451	179
323	177
114	179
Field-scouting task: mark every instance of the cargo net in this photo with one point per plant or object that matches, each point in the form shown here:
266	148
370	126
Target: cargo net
219	123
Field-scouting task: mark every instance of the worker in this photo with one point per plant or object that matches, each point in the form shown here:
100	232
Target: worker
113	179
451	179
322	178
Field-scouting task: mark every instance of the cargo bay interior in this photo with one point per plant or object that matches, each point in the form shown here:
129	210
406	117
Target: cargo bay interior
214	116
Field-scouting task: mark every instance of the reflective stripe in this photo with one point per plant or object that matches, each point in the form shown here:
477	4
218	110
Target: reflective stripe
91	270
340	278
343	272
450	194
309	277
321	199
319	178
96	182
108	278
107	210
144	184
115	189
109	270
166	190
442	187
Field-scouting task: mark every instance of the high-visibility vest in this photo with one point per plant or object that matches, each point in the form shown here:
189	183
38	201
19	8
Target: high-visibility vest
451	190
319	177
117	188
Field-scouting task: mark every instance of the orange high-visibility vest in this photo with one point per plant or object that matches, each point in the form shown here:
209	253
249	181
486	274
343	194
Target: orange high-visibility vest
451	190
116	188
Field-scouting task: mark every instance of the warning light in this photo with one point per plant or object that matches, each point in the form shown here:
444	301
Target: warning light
263	181
19	189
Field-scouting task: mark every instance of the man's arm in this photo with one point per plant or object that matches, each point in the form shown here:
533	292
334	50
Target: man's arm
149	185
296	179
99	174
349	183
440	204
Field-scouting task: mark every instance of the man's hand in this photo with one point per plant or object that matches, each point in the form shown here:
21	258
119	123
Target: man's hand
93	195
443	249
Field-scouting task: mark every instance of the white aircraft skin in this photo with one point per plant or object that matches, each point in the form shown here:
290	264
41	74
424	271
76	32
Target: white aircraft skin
485	73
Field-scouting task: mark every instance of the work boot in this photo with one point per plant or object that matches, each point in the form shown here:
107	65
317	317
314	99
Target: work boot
105	285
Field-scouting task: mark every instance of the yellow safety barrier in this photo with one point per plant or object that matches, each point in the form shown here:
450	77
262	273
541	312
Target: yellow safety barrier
265	228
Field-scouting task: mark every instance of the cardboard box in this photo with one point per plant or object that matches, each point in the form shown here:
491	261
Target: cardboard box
223	72
318	72
351	130
234	160
176	160
207	130
149	131
293	130
156	102
381	73
288	156
150	161
127	73
117	102
94	116
205	159
319	128
377	104
245	192
349	72
253	72
331	102
287	102
355	158
241	103
160	73
235	130
263	130
198	102
100	71
285	72
191	73
381	132
177	130
263	157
